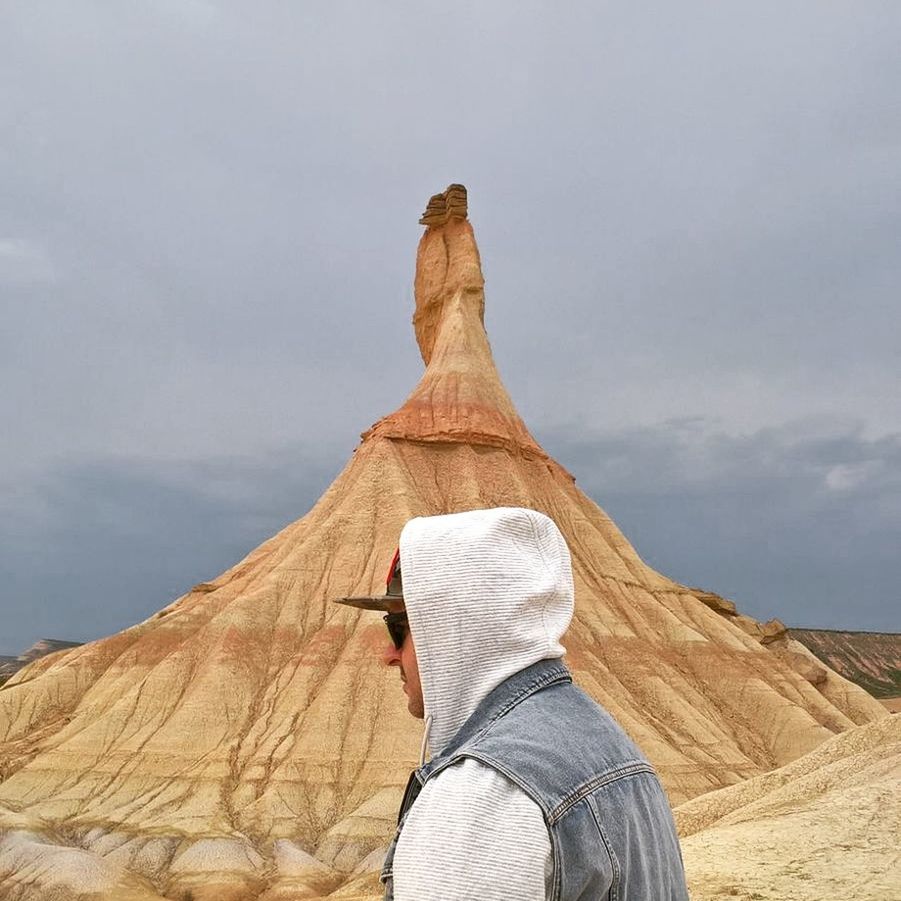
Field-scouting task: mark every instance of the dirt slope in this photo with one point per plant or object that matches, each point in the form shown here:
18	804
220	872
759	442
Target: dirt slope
824	826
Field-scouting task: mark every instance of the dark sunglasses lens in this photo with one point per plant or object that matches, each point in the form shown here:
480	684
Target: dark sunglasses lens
397	629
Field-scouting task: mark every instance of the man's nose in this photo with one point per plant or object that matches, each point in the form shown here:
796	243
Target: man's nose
391	655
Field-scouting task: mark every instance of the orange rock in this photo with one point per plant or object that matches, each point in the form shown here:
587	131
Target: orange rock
773	630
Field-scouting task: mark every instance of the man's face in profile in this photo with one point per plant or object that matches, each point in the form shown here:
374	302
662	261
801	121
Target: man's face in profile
404	658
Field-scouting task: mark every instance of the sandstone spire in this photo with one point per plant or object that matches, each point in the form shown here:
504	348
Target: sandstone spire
449	204
243	742
460	398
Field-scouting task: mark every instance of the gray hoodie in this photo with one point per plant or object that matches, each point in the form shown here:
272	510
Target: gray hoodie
487	593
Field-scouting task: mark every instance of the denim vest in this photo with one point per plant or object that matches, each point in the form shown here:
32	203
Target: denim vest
611	831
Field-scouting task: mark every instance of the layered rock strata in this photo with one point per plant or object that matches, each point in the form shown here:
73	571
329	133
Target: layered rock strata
871	660
41	648
244	741
449	204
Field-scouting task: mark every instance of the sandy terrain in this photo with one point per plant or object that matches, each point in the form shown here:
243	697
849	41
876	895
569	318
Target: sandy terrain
823	827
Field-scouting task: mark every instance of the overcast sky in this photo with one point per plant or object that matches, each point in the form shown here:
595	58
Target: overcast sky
689	219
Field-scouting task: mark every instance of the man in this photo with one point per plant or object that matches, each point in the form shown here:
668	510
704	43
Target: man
533	792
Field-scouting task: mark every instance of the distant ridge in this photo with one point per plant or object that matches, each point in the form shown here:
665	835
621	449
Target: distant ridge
844	631
871	660
41	648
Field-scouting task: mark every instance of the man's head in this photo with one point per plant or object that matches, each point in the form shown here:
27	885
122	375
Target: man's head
400	651
486	593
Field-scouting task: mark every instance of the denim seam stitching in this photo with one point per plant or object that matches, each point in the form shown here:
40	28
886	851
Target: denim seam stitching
614	860
557	863
596	783
556	858
497	765
557	675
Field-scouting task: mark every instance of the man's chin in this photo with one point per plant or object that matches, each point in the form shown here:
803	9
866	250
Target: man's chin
415	708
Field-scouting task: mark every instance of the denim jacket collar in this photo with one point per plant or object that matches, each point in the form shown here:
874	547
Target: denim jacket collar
496	703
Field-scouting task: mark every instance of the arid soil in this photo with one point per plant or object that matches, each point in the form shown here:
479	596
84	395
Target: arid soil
825	826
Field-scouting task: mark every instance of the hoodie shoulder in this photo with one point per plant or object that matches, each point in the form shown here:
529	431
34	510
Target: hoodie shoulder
472	834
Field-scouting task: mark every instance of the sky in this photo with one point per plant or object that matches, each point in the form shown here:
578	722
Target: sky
689	220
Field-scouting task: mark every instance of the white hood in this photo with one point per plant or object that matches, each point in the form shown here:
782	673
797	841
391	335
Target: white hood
488	593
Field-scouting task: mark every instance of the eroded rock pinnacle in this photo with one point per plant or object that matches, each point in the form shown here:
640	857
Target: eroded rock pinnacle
441	208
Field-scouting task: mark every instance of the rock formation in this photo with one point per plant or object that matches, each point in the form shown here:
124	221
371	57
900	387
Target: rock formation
244	741
8	665
449	204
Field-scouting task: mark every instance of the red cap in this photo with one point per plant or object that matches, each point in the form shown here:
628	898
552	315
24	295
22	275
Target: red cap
394	590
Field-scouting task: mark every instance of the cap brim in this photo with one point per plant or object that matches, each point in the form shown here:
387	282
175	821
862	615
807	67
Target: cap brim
380	603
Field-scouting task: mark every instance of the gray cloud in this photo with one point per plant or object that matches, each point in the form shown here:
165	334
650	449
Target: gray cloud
102	544
802	521
210	212
23	262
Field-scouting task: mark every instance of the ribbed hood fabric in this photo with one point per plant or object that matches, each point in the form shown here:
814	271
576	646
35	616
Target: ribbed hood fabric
487	593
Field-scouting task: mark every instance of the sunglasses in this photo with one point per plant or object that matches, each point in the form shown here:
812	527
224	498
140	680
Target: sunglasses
398	627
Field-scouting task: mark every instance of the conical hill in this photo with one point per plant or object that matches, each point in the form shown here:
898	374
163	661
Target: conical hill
245	742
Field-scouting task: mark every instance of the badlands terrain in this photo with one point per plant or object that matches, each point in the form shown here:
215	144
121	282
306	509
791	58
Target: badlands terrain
870	659
243	743
11	665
